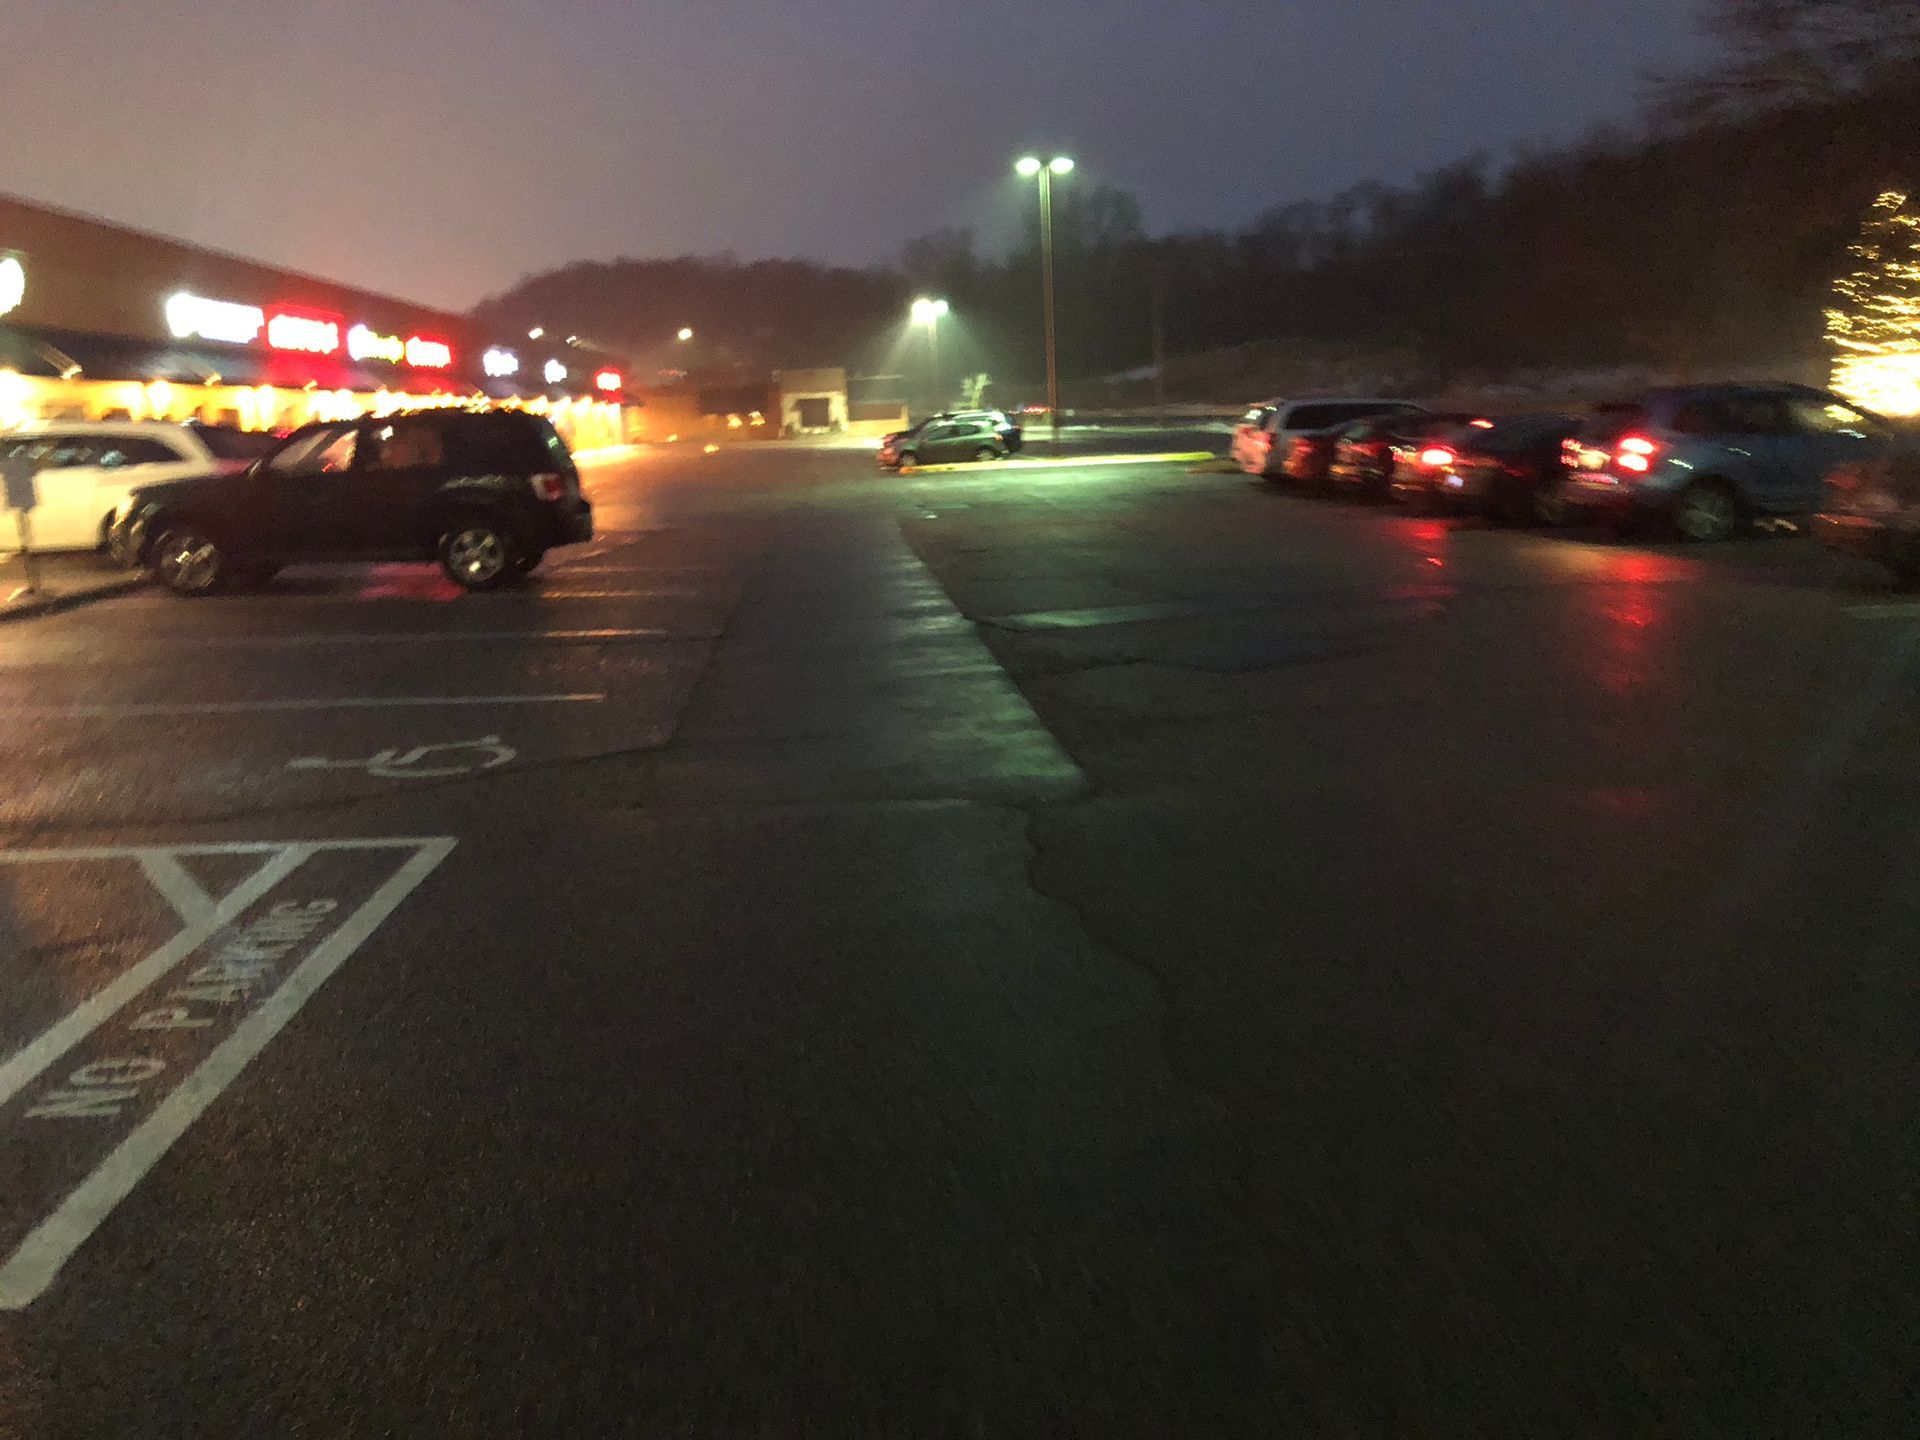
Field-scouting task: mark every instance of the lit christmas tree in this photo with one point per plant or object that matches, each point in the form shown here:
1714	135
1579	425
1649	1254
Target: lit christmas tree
1874	324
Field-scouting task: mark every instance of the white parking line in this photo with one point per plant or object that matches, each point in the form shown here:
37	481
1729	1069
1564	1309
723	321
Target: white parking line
34	1264
171	879
245	707
434	637
24	1068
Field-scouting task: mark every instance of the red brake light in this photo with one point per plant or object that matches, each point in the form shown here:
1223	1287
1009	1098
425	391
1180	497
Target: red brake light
1435	456
1634	453
548	487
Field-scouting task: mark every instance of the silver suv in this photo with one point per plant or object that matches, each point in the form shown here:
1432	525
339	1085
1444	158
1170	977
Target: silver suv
1267	431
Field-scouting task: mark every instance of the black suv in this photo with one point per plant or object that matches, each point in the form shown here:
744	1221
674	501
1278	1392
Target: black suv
489	492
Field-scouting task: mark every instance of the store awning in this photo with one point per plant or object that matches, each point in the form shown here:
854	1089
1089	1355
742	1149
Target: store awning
125	357
52	353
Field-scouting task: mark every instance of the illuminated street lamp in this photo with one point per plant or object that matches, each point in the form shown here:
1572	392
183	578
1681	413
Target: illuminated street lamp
536	332
1032	167
686	333
930	313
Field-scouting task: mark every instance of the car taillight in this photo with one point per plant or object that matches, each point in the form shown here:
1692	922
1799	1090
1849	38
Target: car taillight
548	486
1634	453
1434	457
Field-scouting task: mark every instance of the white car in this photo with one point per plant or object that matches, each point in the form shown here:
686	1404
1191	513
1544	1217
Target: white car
1264	434
84	469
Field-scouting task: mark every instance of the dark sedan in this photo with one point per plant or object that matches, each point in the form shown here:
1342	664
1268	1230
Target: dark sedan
1368	453
1501	470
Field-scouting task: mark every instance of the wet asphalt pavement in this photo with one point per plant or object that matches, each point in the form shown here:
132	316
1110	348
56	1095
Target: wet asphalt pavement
1089	950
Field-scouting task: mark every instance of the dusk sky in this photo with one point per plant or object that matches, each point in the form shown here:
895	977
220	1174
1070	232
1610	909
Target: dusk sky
439	150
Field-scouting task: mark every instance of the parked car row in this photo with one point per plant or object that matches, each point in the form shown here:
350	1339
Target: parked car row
1702	459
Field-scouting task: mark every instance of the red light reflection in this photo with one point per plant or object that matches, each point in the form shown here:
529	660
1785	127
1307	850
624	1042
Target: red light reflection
1632	610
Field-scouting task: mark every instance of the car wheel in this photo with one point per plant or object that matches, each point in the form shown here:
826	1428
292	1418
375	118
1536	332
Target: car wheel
188	560
477	554
984	454
1706	511
1550	507
908	461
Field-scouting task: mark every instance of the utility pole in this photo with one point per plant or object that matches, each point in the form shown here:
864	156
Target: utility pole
1030	167
1046	302
1157	290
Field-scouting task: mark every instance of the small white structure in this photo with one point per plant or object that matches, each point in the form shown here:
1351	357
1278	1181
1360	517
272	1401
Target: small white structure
812	402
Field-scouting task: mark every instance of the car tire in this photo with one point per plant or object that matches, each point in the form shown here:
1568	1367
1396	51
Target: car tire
1550	507
908	461
1707	511
985	454
477	552
188	559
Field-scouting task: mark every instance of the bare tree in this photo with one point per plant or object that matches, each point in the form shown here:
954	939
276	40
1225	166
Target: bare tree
1779	53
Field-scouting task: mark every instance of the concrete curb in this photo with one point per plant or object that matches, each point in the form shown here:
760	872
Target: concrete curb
71	599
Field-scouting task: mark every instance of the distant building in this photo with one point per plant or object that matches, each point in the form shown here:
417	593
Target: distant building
101	322
812	402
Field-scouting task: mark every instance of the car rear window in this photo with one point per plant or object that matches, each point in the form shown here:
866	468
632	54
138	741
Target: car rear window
518	444
228	443
1739	414
1610	421
1525	432
137	450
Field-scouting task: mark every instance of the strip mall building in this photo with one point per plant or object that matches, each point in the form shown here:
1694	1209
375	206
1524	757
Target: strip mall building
99	322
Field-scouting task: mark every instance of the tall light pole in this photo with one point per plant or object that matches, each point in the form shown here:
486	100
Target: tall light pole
1032	166
930	313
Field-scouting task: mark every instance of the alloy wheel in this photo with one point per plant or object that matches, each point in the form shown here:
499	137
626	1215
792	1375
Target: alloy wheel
187	562
1705	513
476	554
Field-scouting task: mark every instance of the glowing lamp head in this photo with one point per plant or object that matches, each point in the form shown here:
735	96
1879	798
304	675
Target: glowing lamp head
13	283
686	332
607	381
925	311
536	332
554	371
1028	166
1060	165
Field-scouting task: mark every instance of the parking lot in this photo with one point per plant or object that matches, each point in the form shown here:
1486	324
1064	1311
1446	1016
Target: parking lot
1084	948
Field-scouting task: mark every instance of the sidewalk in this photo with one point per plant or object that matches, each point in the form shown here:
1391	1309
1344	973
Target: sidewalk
65	580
